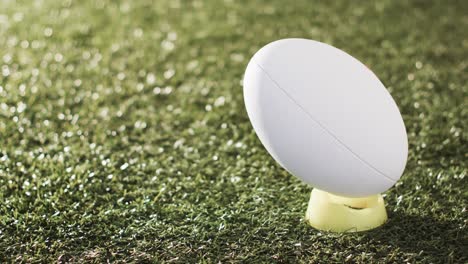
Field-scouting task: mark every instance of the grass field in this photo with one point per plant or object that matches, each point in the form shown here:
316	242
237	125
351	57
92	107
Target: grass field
123	134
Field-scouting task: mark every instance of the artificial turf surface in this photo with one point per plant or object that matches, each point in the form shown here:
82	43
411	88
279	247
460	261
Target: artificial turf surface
123	134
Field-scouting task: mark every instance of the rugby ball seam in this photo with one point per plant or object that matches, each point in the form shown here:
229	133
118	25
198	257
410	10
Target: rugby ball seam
327	131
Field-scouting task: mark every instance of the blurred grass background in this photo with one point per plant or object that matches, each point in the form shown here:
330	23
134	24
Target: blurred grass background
123	134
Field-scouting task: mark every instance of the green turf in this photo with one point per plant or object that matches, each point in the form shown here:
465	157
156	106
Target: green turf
123	134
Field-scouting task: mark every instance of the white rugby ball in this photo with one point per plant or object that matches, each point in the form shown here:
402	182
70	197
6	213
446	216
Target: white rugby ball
325	117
